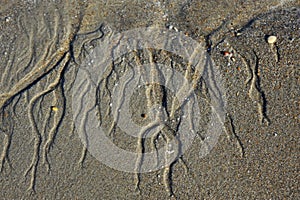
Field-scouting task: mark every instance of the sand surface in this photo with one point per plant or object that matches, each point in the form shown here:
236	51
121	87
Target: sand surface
240	101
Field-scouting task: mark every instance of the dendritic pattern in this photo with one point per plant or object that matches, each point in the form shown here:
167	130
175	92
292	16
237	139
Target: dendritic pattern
45	79
34	68
41	67
150	96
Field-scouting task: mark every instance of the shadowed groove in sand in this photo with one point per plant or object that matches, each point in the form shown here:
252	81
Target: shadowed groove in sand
255	92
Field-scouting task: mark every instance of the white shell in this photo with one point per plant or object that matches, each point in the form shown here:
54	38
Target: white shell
272	39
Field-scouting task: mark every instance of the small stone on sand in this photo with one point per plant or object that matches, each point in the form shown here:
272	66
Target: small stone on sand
272	39
54	108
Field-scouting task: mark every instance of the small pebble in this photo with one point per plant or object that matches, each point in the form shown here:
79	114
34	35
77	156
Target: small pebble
272	39
54	108
7	19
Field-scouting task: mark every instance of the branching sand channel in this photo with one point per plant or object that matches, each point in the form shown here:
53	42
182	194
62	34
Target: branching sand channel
142	101
137	108
34	69
45	79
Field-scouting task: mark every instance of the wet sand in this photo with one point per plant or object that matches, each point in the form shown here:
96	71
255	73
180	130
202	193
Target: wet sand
256	155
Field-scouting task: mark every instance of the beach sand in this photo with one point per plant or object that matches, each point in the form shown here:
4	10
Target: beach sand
256	153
